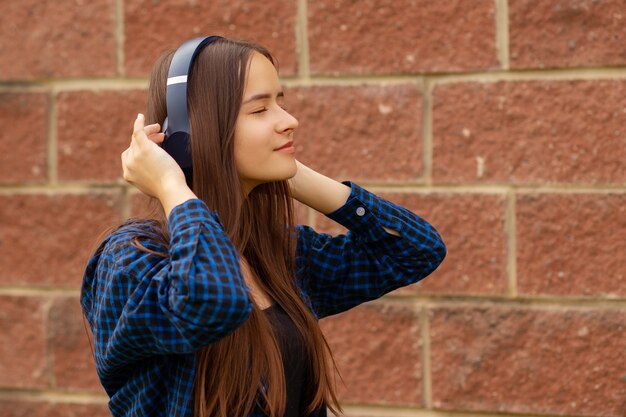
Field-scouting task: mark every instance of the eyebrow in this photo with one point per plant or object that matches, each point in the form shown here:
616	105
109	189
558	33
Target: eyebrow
263	96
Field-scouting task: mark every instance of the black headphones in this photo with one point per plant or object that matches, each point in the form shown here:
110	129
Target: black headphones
176	124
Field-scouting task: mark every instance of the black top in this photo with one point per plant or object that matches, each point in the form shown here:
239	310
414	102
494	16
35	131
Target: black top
295	361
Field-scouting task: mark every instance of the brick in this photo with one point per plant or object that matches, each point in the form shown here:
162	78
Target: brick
153	27
530	132
71	343
359	132
401	36
47	240
571	244
23	138
564	33
377	350
94	128
471	226
42	408
522	360
57	39
23	348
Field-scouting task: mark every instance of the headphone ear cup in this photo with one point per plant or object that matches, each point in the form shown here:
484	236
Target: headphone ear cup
178	146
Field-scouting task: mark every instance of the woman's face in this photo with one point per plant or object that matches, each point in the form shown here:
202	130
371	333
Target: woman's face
262	127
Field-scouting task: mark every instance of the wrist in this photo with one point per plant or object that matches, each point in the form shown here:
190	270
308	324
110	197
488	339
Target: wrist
172	193
169	185
318	191
294	182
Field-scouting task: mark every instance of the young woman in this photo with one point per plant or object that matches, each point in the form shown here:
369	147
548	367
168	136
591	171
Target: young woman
210	306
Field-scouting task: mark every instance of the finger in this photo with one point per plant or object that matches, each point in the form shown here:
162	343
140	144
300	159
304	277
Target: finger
153	128
138	126
157	137
124	157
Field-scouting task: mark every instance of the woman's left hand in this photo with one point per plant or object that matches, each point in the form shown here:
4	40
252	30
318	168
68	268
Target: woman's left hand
293	181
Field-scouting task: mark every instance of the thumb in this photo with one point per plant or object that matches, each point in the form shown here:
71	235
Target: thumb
138	133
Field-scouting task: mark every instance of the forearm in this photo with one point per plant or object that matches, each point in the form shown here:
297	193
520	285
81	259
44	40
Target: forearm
318	191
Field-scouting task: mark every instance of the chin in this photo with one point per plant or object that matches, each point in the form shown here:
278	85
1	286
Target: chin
279	176
284	177
270	172
286	172
293	171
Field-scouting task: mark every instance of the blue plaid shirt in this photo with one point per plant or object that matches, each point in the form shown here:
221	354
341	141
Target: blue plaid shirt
149	314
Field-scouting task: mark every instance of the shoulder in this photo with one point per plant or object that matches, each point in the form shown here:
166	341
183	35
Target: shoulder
124	239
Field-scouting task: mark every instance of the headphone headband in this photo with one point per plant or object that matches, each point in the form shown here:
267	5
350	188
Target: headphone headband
176	124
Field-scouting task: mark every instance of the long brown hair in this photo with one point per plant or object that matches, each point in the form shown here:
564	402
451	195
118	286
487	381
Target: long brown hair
245	366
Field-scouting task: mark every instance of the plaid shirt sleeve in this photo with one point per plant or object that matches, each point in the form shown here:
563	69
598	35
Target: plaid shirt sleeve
340	272
143	304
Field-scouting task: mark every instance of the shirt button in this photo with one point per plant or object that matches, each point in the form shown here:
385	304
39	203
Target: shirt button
360	211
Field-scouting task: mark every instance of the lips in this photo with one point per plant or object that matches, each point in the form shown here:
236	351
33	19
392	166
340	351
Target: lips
286	145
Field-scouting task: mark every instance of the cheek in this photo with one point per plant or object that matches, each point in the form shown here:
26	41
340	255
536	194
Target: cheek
246	157
254	135
250	148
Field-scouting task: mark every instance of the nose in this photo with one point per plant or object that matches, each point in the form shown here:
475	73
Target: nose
287	122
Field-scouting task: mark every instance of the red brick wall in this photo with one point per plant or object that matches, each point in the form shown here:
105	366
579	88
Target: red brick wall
501	122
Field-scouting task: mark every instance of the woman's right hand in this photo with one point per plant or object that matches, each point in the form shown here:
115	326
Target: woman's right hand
146	165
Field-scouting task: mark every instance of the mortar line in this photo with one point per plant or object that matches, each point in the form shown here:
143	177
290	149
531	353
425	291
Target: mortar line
49	354
546	302
33	291
52	396
426	368
352	82
52	156
97	85
511	243
119	35
502	32
564	74
126	83
594	74
126	203
373	410
427	132
302	42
